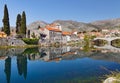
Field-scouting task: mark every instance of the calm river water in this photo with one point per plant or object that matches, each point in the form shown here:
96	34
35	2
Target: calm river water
57	65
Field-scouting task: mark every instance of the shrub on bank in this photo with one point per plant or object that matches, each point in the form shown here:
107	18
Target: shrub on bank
29	41
114	77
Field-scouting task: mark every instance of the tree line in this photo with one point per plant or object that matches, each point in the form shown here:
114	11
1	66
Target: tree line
20	23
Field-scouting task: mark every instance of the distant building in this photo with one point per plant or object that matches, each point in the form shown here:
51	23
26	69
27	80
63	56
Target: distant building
65	37
81	35
3	35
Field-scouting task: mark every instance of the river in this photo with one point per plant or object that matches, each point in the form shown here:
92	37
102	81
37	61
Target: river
57	65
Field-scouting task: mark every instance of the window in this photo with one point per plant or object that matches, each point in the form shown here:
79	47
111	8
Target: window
12	43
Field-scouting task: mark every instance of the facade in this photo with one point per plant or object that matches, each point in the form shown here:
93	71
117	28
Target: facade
65	37
3	35
51	33
81	35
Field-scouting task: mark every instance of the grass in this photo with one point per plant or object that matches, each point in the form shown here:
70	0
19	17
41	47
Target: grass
25	46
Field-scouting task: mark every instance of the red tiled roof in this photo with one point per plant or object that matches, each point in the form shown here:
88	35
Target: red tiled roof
52	28
66	33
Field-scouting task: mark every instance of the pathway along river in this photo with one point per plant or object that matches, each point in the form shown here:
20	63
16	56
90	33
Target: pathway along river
56	65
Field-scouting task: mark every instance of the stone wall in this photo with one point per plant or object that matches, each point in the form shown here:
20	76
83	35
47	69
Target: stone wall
16	42
11	42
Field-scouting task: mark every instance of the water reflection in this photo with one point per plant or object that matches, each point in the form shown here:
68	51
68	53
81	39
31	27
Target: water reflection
22	65
50	54
79	65
8	69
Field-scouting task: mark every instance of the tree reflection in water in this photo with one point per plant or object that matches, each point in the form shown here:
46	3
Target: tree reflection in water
8	69
89	60
22	65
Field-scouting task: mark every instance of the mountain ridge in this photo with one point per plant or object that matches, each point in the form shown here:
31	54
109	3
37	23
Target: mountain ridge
70	25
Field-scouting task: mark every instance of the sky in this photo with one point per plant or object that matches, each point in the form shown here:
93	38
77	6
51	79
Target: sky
51	10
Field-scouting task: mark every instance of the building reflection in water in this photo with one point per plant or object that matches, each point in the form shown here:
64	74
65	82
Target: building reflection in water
8	69
52	54
47	54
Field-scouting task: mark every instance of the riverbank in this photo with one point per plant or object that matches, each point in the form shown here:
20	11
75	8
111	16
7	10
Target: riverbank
114	77
25	46
39	45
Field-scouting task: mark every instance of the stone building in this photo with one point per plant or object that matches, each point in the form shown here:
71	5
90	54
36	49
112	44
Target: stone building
65	37
52	33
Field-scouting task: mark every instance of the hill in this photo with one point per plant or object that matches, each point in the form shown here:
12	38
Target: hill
69	25
109	24
36	24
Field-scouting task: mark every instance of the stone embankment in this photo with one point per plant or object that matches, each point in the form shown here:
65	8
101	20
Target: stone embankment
11	42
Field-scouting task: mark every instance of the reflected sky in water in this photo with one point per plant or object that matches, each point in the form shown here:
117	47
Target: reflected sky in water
56	65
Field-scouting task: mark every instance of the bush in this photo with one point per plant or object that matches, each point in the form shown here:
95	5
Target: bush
31	51
30	41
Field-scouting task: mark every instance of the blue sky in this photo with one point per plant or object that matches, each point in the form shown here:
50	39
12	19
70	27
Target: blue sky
50	10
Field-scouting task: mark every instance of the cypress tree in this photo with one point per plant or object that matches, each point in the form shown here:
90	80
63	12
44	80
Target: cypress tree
23	24
18	23
6	25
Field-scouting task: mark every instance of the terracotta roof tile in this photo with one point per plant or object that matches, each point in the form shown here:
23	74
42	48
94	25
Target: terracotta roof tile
52	28
66	33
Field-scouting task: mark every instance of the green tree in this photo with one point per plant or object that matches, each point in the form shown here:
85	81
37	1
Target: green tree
18	23
6	25
2	29
23	24
33	35
87	46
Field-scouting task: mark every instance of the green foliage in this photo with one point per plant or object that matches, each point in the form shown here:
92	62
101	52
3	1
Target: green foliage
31	41
33	35
2	29
18	23
92	37
31	50
87	41
6	25
23	24
116	43
100	42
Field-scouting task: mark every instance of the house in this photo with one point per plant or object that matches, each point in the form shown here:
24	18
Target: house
44	34
95	33
55	33
81	35
105	31
3	35
65	37
52	33
115	33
